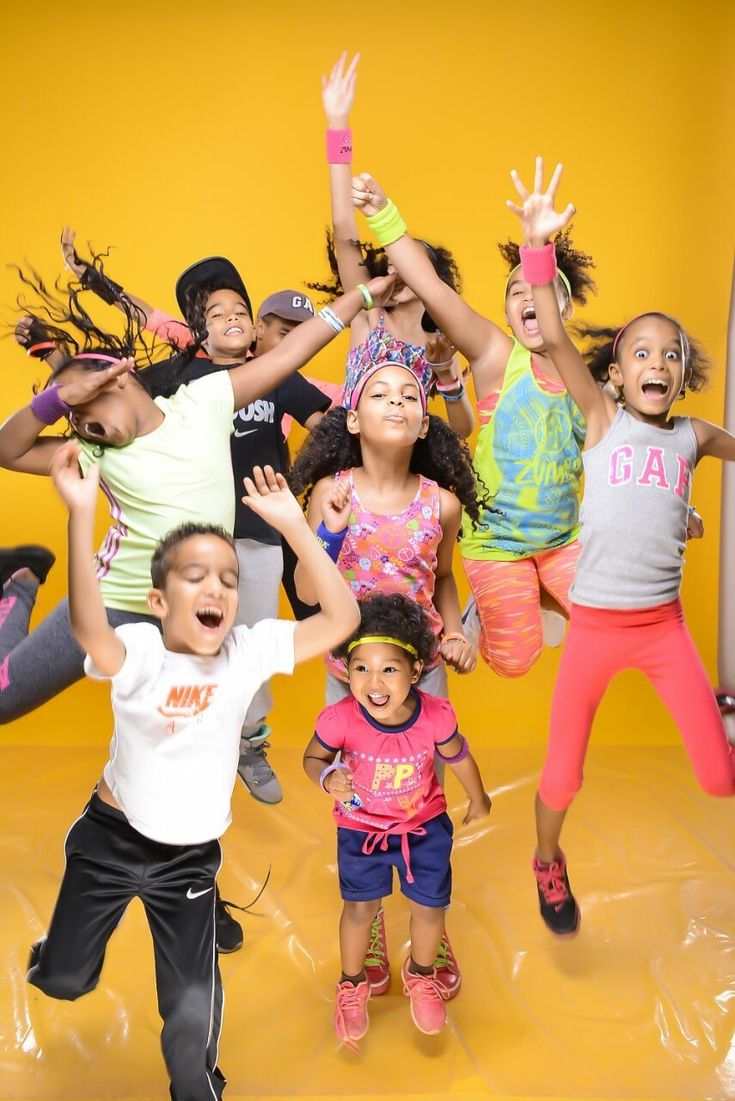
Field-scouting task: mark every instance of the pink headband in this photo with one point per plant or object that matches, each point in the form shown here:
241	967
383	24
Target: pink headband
357	392
96	355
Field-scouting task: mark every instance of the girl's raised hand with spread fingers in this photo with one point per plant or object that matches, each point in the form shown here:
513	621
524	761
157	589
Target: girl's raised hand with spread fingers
539	219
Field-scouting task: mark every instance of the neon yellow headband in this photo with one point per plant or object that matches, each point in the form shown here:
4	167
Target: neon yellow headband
559	272
382	638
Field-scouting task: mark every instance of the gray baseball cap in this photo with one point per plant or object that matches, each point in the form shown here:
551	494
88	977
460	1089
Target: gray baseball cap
290	305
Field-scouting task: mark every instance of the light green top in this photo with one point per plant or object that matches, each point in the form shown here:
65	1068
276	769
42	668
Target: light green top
181	471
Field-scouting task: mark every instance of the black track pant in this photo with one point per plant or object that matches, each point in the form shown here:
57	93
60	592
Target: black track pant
107	864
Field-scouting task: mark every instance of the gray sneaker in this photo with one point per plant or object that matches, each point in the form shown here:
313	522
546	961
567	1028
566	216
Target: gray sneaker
257	775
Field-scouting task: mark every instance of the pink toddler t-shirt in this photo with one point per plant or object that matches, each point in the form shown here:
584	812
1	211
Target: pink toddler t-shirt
392	767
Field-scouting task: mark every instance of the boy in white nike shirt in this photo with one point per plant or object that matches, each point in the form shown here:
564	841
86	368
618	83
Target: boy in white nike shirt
151	828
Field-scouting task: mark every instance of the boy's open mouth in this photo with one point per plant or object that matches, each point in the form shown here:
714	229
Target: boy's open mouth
210	618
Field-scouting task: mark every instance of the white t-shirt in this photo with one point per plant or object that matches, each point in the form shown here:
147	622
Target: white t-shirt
180	471
175	750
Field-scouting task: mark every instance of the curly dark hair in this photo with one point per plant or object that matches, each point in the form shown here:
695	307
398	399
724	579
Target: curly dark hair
598	350
395	616
375	261
575	264
441	456
194	310
161	560
56	311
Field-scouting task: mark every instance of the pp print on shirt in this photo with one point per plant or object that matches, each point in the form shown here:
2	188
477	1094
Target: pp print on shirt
626	461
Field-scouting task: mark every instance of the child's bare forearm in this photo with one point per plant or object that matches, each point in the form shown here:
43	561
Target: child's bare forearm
339	614
469	777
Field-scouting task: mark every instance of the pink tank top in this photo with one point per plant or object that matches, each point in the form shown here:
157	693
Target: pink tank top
393	554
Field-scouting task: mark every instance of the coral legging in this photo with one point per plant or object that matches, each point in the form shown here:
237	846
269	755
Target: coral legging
508	598
602	642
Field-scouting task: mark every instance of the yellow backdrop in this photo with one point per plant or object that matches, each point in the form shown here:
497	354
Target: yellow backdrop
177	130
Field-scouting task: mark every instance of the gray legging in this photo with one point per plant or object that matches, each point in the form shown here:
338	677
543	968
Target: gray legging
36	666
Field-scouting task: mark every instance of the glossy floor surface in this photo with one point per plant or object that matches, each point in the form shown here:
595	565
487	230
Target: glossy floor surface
640	1005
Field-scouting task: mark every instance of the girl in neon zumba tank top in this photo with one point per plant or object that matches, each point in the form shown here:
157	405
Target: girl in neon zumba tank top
402	331
528	459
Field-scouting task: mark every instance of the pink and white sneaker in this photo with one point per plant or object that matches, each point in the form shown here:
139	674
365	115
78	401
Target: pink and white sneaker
377	967
427	999
448	974
351	1019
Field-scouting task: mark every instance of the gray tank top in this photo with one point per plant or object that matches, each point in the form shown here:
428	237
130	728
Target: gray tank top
634	514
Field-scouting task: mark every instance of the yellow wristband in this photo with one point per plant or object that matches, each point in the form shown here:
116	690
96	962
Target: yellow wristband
387	224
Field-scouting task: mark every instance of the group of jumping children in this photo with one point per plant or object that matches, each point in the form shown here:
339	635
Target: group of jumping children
180	615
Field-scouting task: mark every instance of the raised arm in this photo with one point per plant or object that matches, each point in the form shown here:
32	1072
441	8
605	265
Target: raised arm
441	356
269	496
329	504
94	280
476	337
256	377
540	221
86	608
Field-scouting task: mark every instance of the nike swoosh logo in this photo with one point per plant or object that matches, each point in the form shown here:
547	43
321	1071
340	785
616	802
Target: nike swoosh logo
196	894
247	432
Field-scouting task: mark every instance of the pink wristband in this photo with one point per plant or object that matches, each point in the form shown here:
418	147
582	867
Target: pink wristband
539	264
449	387
339	146
48	407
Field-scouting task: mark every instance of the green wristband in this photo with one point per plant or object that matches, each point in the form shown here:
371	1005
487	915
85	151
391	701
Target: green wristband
367	297
387	224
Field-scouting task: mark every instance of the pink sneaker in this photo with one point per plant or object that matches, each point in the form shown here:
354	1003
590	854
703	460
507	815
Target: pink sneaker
427	1000
448	974
377	967
350	1012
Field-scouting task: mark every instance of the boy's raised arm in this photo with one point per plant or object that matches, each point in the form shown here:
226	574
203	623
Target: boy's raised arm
269	496
86	608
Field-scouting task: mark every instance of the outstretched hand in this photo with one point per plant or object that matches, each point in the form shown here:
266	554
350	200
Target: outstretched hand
539	219
338	92
270	498
77	491
367	194
71	260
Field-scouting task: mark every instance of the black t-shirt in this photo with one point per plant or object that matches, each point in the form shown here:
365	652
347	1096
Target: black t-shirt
257	439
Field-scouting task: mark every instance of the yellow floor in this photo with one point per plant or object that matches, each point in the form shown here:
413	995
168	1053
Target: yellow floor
640	1005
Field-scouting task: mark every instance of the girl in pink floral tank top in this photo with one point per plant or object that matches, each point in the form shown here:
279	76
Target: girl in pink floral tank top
393	554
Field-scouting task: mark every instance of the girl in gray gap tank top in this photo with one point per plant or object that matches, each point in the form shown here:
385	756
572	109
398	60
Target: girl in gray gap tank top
626	612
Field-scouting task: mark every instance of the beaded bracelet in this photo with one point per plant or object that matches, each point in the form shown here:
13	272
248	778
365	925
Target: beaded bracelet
456	636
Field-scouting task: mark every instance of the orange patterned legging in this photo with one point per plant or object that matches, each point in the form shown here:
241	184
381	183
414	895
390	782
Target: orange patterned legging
508	597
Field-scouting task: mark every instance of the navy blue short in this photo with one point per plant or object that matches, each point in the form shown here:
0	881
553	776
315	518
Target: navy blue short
364	877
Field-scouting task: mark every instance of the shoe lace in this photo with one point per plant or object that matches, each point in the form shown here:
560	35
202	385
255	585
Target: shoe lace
552	881
427	986
348	1001
444	957
256	760
375	955
245	909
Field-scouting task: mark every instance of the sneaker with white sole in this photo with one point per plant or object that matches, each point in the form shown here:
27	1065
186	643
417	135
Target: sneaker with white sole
377	967
427	999
351	1019
255	771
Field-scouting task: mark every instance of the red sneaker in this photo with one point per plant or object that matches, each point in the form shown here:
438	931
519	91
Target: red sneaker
448	974
427	1000
350	1012
377	967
